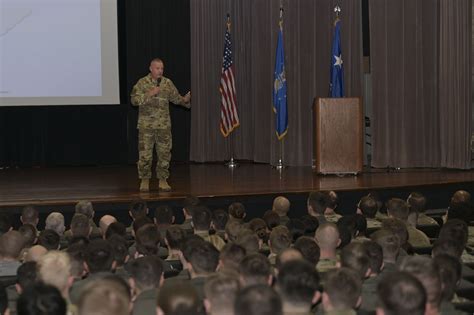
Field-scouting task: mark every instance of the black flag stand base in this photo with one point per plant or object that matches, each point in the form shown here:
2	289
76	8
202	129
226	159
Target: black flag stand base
232	163
279	166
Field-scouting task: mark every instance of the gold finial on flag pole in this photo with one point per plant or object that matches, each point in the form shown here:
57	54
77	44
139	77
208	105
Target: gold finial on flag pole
280	23
337	10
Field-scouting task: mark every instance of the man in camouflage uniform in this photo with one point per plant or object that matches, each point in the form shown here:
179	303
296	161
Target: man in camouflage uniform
152	95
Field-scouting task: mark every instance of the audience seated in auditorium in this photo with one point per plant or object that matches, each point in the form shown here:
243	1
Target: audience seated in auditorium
35	252
49	239
449	269
26	276
249	240
55	222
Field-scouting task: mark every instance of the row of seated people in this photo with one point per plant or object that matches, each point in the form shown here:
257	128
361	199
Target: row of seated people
217	263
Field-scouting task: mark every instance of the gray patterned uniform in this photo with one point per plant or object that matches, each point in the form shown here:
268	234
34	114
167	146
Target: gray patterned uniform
154	124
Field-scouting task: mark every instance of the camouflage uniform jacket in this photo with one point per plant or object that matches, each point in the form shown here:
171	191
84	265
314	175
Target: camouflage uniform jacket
153	111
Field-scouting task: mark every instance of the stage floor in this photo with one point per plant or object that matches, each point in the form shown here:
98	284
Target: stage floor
65	186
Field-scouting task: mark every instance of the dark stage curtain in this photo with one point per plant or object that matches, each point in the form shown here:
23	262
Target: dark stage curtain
308	29
106	135
420	64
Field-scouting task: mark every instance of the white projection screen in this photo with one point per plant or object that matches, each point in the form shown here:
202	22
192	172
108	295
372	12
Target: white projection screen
58	52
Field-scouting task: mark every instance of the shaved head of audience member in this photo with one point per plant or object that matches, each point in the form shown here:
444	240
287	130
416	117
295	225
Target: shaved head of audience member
355	256
105	296
29	232
55	222
401	293
281	205
249	240
390	244
367	206
426	271
54	268
308	248
460	197
29	215
220	292
255	269
34	253
342	290
49	239
298	285
41	299
287	255
85	207
146	273
258	300
280	239
11	245
317	203
80	225
26	276
105	221
202	258
138	209
237	211
178	297
230	257
327	238
148	240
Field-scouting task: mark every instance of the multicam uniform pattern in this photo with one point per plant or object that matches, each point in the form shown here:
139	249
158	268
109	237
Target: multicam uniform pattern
154	124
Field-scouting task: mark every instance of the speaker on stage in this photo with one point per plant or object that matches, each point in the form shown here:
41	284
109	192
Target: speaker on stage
338	135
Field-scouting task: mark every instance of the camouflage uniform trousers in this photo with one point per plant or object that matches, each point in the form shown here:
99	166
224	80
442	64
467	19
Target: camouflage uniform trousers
161	140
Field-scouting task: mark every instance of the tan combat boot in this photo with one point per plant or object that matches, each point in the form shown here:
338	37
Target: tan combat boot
145	185
163	185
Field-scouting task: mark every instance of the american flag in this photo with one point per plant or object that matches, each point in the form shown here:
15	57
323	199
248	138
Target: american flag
229	117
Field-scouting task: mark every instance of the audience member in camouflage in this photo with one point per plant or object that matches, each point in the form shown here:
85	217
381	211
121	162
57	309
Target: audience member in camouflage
152	95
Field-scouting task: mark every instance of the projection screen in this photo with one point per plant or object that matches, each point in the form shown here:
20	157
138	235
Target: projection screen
58	52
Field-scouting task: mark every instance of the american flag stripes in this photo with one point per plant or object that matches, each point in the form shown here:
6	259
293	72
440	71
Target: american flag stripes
229	116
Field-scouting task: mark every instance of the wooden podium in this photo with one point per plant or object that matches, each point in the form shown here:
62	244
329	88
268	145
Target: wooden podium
338	135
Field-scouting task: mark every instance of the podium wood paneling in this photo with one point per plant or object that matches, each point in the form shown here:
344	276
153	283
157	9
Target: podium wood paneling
338	134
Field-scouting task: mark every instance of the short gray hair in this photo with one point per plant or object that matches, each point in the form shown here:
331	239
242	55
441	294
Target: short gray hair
55	222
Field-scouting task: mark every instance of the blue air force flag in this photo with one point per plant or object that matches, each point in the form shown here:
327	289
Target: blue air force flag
337	71
279	90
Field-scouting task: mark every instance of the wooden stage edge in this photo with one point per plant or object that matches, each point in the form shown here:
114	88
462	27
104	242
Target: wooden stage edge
119	184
